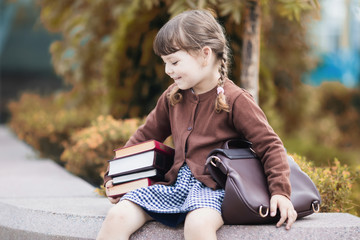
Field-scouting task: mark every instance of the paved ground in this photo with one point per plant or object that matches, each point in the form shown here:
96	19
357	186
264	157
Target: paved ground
24	175
34	190
40	200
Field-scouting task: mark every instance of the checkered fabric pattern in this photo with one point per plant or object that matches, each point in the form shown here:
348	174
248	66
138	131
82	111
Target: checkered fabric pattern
185	195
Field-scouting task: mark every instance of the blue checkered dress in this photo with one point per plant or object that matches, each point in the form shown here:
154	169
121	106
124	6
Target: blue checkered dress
170	204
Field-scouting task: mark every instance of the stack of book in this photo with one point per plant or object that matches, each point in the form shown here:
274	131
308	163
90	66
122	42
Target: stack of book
138	166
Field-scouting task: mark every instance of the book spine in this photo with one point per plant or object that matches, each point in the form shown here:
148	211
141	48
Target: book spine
163	162
164	148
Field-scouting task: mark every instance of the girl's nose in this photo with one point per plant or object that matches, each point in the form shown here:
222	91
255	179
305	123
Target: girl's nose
168	69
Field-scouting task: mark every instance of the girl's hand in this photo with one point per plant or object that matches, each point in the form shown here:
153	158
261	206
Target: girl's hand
111	199
286	209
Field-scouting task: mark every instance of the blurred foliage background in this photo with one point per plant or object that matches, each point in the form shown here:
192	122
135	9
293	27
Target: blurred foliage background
114	79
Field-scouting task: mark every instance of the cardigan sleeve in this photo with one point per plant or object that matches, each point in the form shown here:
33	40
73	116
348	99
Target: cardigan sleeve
251	122
156	126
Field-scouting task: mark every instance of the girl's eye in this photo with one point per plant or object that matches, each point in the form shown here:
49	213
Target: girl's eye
174	63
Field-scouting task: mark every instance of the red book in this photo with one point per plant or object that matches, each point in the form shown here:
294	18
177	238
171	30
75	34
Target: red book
121	189
140	162
142	157
143	147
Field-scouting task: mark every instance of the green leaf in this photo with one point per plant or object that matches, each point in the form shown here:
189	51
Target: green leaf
231	8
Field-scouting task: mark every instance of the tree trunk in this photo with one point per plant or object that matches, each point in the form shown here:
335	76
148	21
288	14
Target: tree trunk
250	55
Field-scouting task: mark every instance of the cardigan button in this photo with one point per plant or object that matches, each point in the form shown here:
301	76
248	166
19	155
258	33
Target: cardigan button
189	128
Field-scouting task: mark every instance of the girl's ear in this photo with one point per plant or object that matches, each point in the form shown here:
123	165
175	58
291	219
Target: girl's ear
206	53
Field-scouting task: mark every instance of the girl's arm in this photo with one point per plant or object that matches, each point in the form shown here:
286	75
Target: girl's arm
157	127
250	121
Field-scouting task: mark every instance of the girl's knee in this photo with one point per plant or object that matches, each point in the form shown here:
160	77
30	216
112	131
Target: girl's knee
194	224
122	220
122	211
117	212
202	224
197	229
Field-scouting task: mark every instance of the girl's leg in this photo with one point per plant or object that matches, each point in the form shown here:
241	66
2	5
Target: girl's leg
122	220
202	223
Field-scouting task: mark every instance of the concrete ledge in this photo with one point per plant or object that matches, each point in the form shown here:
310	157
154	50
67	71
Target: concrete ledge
23	219
40	200
328	226
52	218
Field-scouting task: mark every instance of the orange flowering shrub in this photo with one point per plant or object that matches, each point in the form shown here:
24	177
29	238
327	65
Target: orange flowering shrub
46	122
88	150
334	182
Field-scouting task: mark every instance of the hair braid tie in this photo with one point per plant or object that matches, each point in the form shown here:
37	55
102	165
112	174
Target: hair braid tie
220	90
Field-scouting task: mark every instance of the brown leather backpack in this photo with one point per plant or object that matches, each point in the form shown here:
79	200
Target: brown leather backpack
237	169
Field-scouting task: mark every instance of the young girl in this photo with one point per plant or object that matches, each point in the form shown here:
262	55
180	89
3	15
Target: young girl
201	110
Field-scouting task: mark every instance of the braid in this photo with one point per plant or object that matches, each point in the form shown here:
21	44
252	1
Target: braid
174	96
220	103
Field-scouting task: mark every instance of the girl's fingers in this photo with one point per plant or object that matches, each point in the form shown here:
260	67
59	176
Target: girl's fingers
284	216
114	200
111	199
292	215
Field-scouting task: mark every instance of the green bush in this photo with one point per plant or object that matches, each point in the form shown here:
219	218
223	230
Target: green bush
327	124
334	182
88	150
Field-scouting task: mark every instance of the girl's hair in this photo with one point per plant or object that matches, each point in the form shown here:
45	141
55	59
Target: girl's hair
191	31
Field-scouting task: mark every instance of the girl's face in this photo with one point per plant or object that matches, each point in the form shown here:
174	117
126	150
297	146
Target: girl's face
194	71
